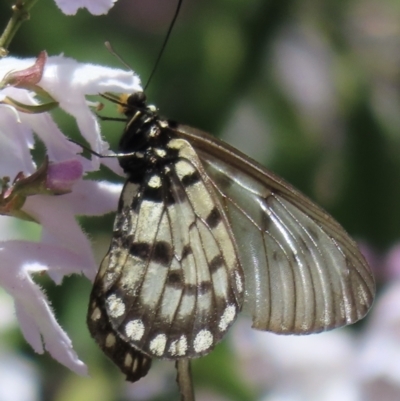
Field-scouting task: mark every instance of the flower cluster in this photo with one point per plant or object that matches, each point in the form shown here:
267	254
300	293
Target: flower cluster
31	193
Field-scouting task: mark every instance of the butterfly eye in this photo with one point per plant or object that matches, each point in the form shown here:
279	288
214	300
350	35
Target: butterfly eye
136	100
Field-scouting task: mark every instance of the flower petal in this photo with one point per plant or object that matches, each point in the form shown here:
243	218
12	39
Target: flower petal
94	198
69	81
34	314
60	228
16	140
95	7
62	176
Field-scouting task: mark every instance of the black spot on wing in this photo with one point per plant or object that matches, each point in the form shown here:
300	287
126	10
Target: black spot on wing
191	179
216	263
186	251
140	250
162	253
213	218
198	289
175	279
204	287
153	194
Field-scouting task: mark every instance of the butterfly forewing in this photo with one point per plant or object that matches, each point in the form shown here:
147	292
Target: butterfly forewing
303	273
172	280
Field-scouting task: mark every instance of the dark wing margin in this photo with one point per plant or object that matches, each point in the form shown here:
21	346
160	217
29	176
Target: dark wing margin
303	272
133	363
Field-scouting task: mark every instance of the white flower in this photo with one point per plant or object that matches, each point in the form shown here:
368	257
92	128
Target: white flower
95	7
63	248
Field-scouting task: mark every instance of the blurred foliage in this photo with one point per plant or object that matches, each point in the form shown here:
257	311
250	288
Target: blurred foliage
322	77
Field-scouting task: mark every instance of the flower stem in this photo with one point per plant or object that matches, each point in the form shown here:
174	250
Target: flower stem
20	14
184	379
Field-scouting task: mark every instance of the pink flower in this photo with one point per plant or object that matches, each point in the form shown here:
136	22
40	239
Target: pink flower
63	248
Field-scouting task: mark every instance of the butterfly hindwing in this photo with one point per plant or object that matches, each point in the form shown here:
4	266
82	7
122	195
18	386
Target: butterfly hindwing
133	363
303	272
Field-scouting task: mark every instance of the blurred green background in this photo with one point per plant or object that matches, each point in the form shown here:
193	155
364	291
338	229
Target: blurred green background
309	88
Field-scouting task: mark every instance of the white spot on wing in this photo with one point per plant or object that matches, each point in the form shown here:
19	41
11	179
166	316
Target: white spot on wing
134	329
96	314
203	340
128	360
155	181
110	340
160	152
157	344
178	347
129	191
227	317
148	220
176	144
116	307
183	168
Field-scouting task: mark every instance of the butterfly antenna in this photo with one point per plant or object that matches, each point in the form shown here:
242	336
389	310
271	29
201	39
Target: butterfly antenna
171	25
108	46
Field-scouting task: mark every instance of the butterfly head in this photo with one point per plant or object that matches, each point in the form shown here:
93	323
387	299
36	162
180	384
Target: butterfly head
131	104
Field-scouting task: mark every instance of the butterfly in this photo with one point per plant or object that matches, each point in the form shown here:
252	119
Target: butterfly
202	233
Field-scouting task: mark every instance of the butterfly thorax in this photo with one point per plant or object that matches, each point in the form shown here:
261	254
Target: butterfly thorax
144	140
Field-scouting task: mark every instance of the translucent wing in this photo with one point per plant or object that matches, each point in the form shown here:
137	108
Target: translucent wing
171	282
303	273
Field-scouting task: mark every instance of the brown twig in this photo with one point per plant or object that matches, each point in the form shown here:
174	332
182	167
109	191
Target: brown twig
184	379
